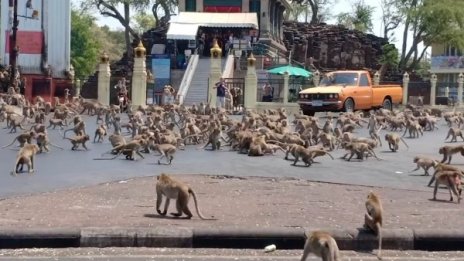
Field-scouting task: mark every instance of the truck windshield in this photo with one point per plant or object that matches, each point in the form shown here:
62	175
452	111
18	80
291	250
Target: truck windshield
339	79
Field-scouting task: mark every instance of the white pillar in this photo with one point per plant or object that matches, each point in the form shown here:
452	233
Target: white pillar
433	89
447	92
104	75
251	84
78	88
405	88
139	78
317	78
215	72
460	85
286	89
377	78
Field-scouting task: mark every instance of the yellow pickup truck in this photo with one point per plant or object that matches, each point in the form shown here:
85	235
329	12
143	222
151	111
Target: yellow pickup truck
348	91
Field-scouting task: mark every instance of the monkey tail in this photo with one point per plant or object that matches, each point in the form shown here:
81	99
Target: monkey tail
196	205
9	144
404	142
379	234
56	146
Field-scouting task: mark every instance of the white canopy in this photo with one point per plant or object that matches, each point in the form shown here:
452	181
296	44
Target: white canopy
185	25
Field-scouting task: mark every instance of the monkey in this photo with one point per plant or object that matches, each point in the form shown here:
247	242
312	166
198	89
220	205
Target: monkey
313	153
129	149
322	244
257	146
16	123
25	156
361	149
79	139
449	151
452	180
393	140
56	122
328	126
443	167
116	140
454	133
38	128
214	139
100	132
23	139
328	140
117	125
272	148
424	163
174	189
166	150
373	217
79	129
39	118
43	142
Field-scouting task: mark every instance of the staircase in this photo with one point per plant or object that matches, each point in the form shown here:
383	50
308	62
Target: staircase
198	89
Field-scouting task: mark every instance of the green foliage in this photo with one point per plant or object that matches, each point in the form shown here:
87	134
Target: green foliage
143	22
390	55
359	19
84	46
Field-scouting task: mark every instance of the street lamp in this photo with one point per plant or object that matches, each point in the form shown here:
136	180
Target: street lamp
14	48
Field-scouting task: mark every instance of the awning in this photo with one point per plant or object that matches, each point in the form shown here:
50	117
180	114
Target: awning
178	31
185	25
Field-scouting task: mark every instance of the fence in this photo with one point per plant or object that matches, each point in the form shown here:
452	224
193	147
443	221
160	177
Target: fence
295	85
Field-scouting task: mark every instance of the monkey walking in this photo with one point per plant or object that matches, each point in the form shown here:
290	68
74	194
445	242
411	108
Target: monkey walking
393	140
449	151
25	156
175	189
443	167
80	139
452	181
100	133
43	141
454	132
166	150
22	139
323	245
424	163
373	217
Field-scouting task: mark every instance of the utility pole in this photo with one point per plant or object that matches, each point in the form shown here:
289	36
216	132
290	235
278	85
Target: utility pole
14	49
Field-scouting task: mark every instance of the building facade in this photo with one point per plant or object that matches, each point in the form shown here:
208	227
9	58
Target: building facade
44	43
447	64
270	13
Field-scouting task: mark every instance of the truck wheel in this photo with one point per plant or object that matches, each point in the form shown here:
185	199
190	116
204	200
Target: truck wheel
387	104
348	106
309	113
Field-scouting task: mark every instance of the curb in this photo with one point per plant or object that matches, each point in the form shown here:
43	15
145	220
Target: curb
357	239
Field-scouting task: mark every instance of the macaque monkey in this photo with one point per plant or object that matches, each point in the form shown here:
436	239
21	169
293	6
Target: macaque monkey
116	140
22	139
56	122
424	163
443	167
272	148
257	146
130	149
25	156
16	123
393	140
214	139
100	132
361	150
43	142
201	109
175	189
79	139
38	128
454	133
449	151
373	217
323	245
79	129
166	150
452	180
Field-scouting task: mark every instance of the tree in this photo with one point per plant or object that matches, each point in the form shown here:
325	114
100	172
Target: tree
143	22
317	8
164	8
360	19
391	17
427	22
389	59
84	46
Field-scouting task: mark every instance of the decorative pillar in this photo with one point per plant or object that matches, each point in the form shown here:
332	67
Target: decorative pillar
405	88
215	72
264	25
139	78
316	78
286	88
251	84
78	88
460	85
377	78
104	75
433	89
447	92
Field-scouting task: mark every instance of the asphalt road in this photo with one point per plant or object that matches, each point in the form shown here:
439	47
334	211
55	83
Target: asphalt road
65	168
172	254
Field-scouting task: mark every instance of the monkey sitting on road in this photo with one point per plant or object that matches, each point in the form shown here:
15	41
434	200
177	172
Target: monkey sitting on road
424	163
449	151
25	156
175	189
80	139
22	139
323	245
452	181
373	217
393	140
454	133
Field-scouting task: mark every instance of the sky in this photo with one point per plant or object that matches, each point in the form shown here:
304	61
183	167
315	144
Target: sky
339	7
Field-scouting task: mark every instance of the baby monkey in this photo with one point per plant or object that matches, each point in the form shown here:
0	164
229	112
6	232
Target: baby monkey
178	190
323	245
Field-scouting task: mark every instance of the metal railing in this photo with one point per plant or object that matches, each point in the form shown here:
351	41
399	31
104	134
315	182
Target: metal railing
187	79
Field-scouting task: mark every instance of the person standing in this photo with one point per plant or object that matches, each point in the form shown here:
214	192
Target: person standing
221	90
267	93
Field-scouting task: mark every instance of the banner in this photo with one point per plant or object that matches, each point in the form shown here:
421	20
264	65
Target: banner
28	42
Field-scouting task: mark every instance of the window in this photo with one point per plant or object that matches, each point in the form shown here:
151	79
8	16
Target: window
364	80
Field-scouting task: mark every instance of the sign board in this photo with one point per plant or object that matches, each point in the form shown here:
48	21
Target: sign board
28	42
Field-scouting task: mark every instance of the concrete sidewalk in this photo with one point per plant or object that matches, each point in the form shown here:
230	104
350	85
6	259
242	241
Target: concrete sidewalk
252	213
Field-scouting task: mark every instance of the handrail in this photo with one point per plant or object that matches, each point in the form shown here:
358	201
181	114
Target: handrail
279	53
228	71
187	79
